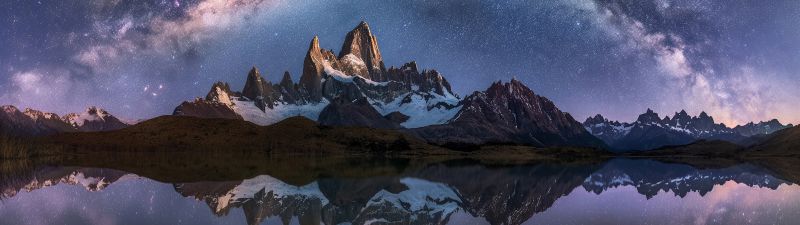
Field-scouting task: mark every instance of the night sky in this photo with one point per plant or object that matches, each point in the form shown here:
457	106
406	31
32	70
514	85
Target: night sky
737	60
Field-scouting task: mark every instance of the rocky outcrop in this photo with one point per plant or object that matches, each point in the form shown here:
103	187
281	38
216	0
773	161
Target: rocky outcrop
510	113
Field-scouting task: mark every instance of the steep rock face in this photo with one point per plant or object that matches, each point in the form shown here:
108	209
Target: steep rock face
510	113
288	90
342	112
259	90
317	59
361	54
650	132
220	92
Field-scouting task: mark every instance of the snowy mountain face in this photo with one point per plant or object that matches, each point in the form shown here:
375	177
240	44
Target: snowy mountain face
424	97
650	131
31	122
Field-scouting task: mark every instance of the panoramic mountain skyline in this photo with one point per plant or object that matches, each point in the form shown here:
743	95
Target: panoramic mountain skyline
615	58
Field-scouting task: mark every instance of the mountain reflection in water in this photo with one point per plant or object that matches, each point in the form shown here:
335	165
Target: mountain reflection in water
619	191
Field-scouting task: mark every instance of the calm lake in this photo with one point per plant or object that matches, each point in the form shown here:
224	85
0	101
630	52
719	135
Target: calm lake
617	191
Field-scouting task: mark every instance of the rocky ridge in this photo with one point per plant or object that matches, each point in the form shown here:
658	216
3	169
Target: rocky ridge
649	131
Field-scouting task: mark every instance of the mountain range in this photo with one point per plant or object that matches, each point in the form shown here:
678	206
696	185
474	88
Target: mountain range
31	122
649	131
355	88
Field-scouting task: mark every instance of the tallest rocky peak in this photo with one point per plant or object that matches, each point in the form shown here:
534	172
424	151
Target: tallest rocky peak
363	26
361	44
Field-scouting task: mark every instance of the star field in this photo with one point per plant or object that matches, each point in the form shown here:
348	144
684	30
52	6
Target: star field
738	61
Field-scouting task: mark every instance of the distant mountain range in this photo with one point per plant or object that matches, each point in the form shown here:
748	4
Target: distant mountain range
31	122
650	131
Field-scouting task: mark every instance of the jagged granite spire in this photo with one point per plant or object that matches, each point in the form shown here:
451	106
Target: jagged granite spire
363	46
313	68
257	89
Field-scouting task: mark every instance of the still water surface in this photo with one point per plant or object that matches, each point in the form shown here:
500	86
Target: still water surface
619	191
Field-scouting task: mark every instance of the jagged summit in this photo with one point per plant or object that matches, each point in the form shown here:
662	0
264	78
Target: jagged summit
361	47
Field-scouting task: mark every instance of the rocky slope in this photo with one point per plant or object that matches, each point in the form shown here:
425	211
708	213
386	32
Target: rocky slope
509	113
31	122
650	131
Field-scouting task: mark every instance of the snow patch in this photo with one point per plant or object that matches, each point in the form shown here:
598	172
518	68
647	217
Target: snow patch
250	112
418	109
